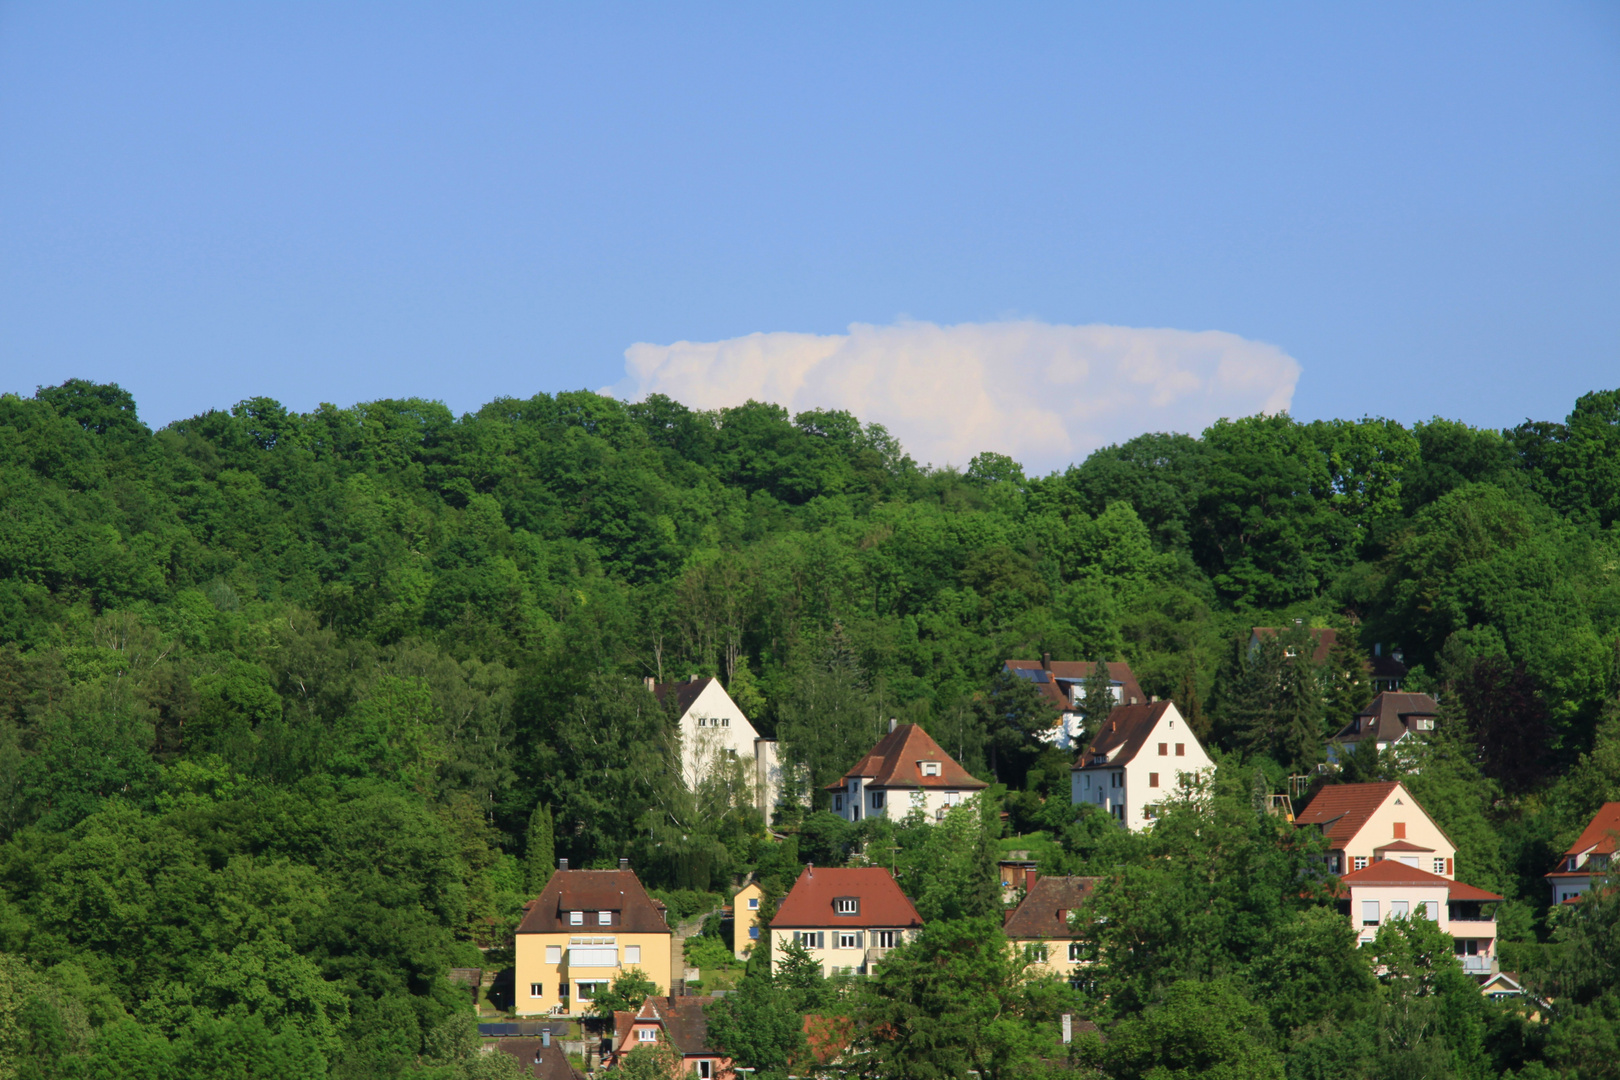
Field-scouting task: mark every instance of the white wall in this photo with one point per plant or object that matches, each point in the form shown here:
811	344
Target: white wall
1136	792
897	802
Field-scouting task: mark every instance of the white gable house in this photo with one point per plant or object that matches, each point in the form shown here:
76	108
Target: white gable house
714	731
1136	762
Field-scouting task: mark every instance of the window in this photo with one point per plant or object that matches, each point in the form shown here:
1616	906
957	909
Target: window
1037	953
930	768
953	798
1150	812
632	954
847	905
849	941
1333	863
753	933
877	800
646	1034
1361	862
705	1070
1164	749
1153	779
1369	913
592	956
553	954
1119	811
562	991
1181	749
810	939
1430	909
1440	866
725	721
1400	830
1116	779
1423	723
885	939
576	918
1397	909
604	918
537	989
1074	951
587	990
1467	946
753	903
838	803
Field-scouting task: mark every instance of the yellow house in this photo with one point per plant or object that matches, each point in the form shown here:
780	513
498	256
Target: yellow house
587	928
745	928
1040	922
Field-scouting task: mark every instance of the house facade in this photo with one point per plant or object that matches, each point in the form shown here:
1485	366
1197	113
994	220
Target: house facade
847	918
1040	922
1590	857
745	925
678	1021
1061	684
1136	761
1388	718
905	771
1389	889
714	732
578	935
1370	823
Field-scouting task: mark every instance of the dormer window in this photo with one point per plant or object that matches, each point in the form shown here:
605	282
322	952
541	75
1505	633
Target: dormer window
576	918
930	768
847	905
604	918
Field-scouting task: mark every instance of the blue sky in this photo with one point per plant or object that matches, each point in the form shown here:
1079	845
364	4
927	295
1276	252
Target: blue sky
1419	204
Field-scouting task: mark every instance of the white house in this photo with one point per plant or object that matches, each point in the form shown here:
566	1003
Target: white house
1388	888
715	731
1591	856
1061	683
906	770
1136	760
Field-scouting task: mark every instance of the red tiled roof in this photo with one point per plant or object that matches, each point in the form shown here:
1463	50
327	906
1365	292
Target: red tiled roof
1390	872
1598	837
1342	809
1044	910
685	692
896	761
809	904
828	1036
591	891
1055	678
682	1018
1401	845
1126	729
1389	716
1325	639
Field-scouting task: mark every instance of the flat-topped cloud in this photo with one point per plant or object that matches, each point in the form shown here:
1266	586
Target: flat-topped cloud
1044	394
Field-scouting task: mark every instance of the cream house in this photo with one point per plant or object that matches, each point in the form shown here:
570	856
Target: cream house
1389	889
846	918
578	935
1369	823
1136	761
1041	923
745	927
714	732
905	771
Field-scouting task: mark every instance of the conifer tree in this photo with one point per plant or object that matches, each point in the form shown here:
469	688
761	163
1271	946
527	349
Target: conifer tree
1096	698
540	854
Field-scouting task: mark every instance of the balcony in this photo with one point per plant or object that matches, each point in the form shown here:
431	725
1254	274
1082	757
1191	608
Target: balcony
1476	965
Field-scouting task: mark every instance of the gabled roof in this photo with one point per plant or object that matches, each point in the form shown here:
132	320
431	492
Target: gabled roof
1124	733
1342	809
1390	872
1325	639
1055	677
896	762
685	693
1401	845
809	904
1389	716
593	890
1598	837
1044	910
682	1019
538	1060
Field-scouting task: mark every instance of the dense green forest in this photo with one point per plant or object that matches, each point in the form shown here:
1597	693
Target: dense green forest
296	709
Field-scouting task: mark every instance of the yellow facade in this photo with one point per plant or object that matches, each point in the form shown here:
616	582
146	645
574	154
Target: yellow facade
1057	957
745	917
546	962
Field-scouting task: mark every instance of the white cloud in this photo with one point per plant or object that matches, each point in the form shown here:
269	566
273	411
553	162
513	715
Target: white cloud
1045	395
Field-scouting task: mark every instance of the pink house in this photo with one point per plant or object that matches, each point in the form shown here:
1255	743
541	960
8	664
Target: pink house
678	1021
1389	888
1588	858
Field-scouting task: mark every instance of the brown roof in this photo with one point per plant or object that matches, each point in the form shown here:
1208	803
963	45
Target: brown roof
809	904
1401	845
1390	872
685	692
542	1062
896	761
1054	678
1342	809
1599	835
1389	716
1325	639
1044	910
591	891
681	1018
1126	731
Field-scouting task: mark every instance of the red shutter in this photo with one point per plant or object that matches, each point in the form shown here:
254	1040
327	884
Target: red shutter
1400	830
1153	779
1449	870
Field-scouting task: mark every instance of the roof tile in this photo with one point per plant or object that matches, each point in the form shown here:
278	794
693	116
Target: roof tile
809	904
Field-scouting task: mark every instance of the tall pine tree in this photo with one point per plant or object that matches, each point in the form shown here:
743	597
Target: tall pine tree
540	853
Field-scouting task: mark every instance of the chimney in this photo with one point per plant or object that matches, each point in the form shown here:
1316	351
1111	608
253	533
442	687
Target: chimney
624	864
650	683
1396	653
1046	661
810	869
1153	699
1030	878
893	723
1378	648
693	677
1068	1028
562	864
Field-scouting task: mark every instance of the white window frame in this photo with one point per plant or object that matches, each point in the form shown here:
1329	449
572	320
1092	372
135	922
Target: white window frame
576	918
1369	913
930	768
1359	863
846	939
847	905
885	939
604	918
553	954
1399	909
753	903
1074	952
1440	867
646	1034
632	954
537	990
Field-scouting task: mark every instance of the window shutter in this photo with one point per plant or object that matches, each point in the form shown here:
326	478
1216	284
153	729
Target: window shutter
860	939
